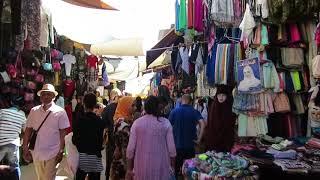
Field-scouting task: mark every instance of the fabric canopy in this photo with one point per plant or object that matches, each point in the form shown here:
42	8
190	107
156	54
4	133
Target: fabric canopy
96	4
119	69
122	47
166	41
162	60
139	86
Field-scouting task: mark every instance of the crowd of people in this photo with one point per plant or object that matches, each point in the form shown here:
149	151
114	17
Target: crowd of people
143	138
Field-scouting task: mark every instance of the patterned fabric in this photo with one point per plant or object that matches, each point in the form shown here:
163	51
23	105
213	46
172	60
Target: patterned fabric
30	20
92	75
119	166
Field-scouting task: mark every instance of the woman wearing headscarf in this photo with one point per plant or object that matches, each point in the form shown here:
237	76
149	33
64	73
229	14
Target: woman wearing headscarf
122	119
219	132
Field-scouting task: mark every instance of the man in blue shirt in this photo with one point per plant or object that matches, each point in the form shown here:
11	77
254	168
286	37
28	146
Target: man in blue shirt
184	120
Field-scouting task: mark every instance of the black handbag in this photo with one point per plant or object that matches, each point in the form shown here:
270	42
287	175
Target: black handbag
34	134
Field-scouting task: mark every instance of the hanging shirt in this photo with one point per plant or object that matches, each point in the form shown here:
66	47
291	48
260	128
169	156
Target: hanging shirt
92	61
68	60
184	53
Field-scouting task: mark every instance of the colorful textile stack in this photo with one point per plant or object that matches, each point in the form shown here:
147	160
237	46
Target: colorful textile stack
216	165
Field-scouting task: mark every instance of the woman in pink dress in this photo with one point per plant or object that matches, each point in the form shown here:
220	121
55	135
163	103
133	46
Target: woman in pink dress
151	150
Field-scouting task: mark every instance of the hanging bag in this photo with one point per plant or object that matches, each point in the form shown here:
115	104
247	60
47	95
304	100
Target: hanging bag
56	65
47	66
281	103
34	134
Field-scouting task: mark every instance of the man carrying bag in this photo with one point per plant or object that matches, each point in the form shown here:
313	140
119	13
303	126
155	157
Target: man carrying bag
43	140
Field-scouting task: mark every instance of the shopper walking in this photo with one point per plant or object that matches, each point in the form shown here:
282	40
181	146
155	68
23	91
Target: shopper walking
123	118
184	120
49	145
88	138
151	151
107	117
11	124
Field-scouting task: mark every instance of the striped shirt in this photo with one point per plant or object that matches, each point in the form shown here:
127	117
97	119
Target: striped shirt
11	123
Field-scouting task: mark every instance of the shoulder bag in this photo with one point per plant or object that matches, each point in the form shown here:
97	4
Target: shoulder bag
34	134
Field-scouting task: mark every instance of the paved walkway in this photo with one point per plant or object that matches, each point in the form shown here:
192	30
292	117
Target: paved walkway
28	172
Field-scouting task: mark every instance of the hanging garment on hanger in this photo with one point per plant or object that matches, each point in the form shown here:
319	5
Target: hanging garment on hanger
210	67
222	11
177	7
184	53
198	15
262	9
247	26
191	14
182	16
270	77
68	60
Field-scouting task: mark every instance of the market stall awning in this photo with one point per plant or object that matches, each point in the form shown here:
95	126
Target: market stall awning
120	47
96	4
162	60
158	49
139	86
119	69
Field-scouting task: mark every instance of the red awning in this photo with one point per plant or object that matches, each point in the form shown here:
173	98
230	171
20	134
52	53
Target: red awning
96	4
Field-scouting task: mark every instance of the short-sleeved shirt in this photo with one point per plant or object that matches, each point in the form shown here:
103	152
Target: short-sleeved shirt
92	61
11	123
48	139
184	120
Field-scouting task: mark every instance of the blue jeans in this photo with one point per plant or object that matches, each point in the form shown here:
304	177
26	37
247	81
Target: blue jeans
9	155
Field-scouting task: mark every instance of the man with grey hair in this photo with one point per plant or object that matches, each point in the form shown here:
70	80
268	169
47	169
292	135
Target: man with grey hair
184	120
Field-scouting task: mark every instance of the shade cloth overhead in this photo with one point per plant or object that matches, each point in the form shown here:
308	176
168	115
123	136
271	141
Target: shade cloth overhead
121	47
96	4
162	60
166	41
119	69
138	86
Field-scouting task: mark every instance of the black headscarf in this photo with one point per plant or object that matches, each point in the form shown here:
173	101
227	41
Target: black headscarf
219	132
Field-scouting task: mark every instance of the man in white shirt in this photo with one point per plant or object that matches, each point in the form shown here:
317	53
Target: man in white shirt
49	146
11	124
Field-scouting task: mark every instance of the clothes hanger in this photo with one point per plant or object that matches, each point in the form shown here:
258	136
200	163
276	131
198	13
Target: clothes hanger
225	36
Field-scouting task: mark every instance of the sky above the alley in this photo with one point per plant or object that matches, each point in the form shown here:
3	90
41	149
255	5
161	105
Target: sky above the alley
136	18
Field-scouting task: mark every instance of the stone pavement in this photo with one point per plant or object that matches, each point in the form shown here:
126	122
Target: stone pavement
28	172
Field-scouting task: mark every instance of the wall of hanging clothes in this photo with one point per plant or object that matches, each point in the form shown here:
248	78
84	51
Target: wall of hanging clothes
284	46
32	53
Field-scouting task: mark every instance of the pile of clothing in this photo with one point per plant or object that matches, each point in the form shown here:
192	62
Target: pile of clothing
214	165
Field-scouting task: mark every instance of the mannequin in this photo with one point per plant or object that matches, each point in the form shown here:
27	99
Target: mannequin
314	112
68	60
219	132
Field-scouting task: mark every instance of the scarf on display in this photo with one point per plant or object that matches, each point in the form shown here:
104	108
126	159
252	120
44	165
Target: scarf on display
222	120
123	108
222	10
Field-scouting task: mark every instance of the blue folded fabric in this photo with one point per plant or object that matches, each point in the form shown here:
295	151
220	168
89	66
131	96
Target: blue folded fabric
289	154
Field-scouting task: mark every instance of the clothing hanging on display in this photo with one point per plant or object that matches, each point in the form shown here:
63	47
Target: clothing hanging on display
68	60
222	120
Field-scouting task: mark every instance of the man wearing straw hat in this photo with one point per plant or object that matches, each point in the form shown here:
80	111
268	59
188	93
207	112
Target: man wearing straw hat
49	145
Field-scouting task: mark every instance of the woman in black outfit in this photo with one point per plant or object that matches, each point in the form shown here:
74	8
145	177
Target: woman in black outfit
88	138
